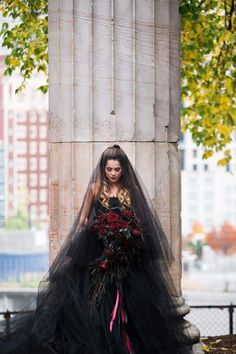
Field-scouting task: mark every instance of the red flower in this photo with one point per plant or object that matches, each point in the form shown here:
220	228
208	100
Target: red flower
103	265
108	252
124	224
114	226
101	218
127	213
112	217
102	229
136	232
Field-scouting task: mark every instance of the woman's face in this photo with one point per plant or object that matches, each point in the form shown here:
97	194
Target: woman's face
113	171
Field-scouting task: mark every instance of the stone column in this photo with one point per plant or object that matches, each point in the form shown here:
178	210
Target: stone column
114	77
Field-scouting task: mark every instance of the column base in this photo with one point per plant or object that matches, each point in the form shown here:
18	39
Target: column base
191	331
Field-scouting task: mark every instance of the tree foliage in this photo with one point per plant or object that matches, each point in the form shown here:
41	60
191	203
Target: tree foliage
208	74
19	222
25	34
223	240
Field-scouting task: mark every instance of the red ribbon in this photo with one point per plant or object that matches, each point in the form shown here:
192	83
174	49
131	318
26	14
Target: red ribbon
114	311
123	320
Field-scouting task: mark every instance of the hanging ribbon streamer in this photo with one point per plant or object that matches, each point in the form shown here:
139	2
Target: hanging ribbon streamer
114	311
123	320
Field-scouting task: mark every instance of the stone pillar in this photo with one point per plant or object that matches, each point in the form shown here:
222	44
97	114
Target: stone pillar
114	77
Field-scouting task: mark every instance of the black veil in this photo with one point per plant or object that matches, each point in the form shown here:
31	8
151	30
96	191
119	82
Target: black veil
156	242
62	320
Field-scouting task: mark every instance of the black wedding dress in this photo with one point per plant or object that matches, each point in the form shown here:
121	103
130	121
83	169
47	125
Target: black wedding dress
108	291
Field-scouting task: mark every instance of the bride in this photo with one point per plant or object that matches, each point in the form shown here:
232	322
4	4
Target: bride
109	289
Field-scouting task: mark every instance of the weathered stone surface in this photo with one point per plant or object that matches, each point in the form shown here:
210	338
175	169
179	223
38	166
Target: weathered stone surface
114	70
114	77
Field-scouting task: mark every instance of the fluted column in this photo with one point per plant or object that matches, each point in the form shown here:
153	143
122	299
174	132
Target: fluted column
114	77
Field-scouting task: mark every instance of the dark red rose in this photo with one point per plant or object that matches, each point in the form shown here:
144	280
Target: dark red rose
112	217
136	232
102	229
101	218
108	252
104	265
127	213
114	226
124	224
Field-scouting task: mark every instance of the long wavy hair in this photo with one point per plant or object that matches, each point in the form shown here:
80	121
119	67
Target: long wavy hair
103	188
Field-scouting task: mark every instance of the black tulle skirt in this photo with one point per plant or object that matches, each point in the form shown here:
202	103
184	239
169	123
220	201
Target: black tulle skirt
136	315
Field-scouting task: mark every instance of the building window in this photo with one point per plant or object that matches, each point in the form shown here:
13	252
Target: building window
21	116
43	211
21	131
33	179
205	167
43	180
194	153
22	179
194	167
43	147
43	163
33	195
43	196
33	132
22	163
43	117
182	158
22	147
34	211
32	116
43	132
181	137
33	148
33	163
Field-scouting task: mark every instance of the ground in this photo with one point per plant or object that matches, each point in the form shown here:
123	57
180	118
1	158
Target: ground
220	344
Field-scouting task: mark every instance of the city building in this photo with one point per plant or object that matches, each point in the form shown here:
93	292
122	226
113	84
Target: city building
24	118
2	150
208	190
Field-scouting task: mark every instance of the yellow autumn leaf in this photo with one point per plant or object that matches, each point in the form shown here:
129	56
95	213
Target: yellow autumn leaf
222	162
205	348
223	129
228	84
14	62
224	101
207	154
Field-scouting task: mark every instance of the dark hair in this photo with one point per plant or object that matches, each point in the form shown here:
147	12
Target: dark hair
114	152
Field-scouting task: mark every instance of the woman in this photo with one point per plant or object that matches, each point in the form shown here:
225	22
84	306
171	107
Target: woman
109	289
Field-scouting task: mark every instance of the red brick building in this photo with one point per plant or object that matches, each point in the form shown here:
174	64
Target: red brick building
26	137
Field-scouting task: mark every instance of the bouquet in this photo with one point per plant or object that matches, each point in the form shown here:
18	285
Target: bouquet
122	236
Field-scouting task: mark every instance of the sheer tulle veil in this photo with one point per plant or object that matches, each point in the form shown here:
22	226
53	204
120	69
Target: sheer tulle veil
62	320
156	242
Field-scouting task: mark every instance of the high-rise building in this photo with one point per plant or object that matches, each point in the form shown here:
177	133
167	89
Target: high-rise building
2	151
208	190
26	148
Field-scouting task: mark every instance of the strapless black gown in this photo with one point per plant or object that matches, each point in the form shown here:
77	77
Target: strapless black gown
81	311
